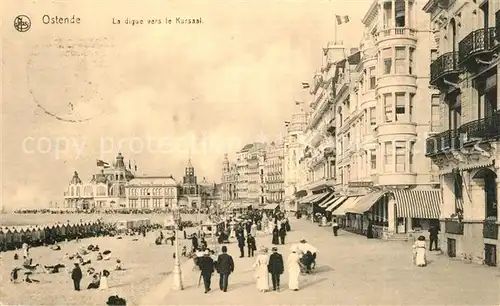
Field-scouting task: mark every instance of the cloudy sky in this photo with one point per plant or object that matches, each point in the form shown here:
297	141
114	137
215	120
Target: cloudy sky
74	93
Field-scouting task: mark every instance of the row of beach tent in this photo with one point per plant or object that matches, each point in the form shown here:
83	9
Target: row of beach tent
12	237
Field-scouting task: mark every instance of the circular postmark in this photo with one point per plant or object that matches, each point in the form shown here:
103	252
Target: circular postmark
22	23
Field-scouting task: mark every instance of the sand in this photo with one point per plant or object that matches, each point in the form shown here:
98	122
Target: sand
146	265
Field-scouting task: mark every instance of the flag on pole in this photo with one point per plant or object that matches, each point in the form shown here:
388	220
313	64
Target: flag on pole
298	103
129	166
305	85
101	163
342	19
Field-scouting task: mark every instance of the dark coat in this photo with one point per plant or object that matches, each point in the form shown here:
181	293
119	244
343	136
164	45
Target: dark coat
251	243
282	231
276	265
206	265
275	236
241	240
225	264
76	274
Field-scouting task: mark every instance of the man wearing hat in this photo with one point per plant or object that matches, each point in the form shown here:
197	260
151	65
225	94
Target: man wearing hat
276	268
206	265
225	266
76	276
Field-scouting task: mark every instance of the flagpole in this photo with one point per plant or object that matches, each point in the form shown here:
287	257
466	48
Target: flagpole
336	22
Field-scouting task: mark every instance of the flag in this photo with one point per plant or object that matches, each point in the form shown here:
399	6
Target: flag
342	19
298	103
305	85
129	166
135	167
101	163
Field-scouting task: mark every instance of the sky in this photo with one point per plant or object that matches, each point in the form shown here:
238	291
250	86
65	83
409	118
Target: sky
158	93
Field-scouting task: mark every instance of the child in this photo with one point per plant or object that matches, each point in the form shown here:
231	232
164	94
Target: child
419	252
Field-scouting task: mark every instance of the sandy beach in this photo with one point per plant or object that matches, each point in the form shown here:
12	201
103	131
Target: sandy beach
145	264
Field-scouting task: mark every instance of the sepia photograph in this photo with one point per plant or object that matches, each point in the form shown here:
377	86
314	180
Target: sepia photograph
264	152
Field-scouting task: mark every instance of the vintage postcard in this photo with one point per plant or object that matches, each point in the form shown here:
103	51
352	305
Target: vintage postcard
320	152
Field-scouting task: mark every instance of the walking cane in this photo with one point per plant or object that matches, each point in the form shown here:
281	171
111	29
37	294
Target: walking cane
199	280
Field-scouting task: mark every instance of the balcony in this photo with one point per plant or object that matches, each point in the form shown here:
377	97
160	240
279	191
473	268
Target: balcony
444	66
478	44
453	227
398	32
485	128
490	229
442	142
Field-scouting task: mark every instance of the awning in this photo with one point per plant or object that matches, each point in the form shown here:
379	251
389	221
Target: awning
335	203
320	197
366	202
422	204
325	201
349	203
271	206
307	199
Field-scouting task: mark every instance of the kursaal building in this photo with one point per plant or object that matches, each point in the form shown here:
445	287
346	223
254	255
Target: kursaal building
464	144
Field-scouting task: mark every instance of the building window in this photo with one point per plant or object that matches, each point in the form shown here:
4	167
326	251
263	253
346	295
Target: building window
401	60
387	60
411	68
410	157
373	159
400	156
373	78
388	107
373	116
401	107
400	13
435	114
434	54
388	157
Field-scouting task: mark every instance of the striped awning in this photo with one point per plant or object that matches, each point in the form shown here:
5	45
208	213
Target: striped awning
349	203
424	204
320	197
336	203
326	200
307	199
366	202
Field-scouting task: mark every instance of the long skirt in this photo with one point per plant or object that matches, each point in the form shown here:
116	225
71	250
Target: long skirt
420	257
262	276
293	277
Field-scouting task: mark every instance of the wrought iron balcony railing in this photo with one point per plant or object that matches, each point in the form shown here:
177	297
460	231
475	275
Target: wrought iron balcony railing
444	65
490	229
453	227
484	128
445	141
478	41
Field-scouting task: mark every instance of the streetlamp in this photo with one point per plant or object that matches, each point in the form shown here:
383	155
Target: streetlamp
177	273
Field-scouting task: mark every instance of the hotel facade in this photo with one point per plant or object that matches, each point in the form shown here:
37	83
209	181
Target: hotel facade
379	114
464	146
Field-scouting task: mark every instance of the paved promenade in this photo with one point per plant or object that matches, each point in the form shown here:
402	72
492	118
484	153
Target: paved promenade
352	270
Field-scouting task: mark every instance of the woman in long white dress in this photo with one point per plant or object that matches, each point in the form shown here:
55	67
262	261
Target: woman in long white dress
293	265
419	252
261	272
103	284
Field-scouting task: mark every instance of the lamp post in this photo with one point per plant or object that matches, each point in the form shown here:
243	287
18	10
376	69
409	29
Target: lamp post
177	273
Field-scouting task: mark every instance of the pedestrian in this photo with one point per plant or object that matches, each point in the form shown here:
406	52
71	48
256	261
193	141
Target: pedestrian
287	224
419	252
282	233
103	285
206	265
293	266
253	230
433	237
275	268
241	243
275	235
194	242
76	276
369	231
335	227
261	270
225	266
251	245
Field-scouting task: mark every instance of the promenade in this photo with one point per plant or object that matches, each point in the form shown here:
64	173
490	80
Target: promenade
352	270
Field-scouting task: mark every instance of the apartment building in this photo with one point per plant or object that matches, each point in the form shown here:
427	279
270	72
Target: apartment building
274	174
293	151
464	146
229	181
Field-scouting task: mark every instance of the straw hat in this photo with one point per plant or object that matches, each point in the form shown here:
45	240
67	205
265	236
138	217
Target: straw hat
263	250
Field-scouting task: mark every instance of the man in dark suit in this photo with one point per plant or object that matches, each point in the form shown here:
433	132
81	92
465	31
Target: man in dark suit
275	267
206	265
225	266
241	242
251	245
